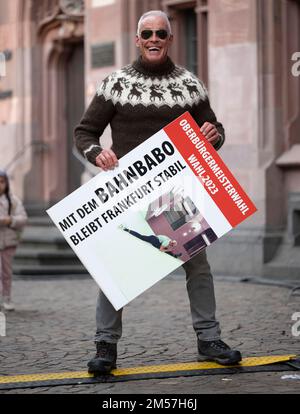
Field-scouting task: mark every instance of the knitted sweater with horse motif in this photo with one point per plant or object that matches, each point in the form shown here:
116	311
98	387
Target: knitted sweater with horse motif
137	101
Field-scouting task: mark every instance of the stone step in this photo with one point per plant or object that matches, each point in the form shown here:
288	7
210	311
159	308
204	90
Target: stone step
40	221
48	270
281	272
286	263
47	237
47	257
44	251
41	232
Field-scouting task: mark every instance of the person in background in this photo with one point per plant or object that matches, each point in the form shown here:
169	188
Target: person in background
12	220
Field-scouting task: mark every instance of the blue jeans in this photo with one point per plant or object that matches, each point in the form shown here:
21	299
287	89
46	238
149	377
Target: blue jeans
201	294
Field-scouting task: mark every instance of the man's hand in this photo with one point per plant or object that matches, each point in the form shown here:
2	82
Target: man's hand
5	221
107	160
210	132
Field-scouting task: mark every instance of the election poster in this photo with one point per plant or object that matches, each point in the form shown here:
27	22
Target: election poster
168	199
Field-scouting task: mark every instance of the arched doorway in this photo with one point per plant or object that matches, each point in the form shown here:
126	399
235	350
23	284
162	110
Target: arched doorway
57	98
62	96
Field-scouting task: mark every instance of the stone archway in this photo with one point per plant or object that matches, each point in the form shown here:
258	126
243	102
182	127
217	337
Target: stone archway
62	59
57	95
56	33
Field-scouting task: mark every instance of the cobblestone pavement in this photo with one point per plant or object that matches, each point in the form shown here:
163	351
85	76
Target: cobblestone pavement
53	326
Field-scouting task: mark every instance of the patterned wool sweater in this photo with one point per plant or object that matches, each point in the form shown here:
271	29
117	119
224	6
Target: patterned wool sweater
139	100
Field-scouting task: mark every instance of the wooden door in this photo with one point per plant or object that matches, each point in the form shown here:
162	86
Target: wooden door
74	110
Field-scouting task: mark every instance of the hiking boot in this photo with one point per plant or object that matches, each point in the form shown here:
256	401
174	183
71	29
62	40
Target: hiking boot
105	359
218	351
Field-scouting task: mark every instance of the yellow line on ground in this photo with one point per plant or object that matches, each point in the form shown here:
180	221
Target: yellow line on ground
187	366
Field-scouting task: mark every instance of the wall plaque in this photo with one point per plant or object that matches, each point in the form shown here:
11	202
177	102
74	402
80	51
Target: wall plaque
5	94
72	7
102	3
103	55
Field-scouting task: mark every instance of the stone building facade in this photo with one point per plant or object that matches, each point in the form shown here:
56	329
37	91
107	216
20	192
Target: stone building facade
55	52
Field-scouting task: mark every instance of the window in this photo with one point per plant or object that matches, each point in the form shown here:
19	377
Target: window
194	245
190	21
211	235
291	94
190	38
181	213
202	21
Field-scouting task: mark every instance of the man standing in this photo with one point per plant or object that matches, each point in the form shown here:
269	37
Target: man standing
137	101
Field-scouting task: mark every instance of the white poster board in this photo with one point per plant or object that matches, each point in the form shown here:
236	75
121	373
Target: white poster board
168	199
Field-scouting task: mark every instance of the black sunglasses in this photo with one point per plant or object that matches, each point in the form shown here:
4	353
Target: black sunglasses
146	34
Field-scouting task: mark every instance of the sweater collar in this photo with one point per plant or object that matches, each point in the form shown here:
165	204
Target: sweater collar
154	70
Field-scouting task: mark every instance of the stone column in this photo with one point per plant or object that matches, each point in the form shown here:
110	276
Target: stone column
244	76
